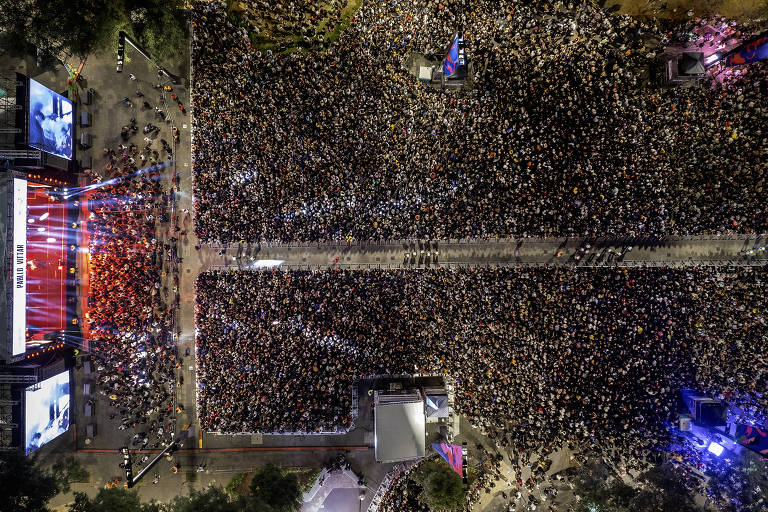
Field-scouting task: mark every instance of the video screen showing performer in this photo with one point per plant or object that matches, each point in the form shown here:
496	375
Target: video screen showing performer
50	121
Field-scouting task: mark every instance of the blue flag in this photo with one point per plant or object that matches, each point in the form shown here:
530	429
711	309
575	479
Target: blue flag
752	51
451	61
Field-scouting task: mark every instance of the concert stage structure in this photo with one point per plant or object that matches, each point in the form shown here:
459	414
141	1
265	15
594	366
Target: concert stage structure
40	242
40	246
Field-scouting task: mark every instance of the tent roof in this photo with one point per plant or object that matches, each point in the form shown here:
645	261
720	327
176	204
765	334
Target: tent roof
437	406
399	431
691	63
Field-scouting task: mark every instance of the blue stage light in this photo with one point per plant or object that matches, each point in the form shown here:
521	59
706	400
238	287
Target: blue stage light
715	449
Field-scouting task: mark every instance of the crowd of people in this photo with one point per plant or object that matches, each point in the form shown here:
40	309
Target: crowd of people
129	319
563	131
591	359
130	316
541	356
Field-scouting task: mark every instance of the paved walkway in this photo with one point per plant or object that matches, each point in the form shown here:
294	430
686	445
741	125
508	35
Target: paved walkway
674	251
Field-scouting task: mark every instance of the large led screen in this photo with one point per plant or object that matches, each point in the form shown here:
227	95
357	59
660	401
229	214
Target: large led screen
46	406
50	121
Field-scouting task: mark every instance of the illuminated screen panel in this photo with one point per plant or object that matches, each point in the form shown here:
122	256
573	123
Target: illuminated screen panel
50	121
19	320
46	411
46	265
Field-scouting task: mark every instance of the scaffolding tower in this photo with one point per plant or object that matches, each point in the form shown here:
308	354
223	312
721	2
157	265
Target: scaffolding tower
8	110
7	423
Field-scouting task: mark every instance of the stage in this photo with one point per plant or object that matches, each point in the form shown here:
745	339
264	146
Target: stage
47	238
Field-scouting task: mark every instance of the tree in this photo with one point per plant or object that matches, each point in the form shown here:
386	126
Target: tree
114	500
62	28
273	490
163	32
441	486
81	504
67	470
660	488
59	27
24	487
593	482
213	499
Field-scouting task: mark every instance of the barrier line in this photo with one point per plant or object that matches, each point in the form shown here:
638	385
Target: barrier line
242	449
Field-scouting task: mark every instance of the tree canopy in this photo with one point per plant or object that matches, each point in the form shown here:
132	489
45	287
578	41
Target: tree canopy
741	486
67	470
23	486
274	490
442	488
213	499
62	28
661	488
114	499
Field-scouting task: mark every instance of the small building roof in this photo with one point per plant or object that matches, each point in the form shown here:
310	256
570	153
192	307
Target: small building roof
437	406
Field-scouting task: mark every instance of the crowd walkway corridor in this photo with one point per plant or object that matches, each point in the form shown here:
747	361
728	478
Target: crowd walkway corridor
670	251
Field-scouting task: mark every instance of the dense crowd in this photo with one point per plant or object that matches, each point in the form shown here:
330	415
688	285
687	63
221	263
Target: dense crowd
562	132
540	356
130	316
402	494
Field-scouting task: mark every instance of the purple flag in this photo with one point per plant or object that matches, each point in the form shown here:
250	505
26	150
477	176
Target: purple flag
451	453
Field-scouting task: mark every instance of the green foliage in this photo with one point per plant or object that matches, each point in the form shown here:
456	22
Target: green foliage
67	470
233	484
57	26
592	481
619	497
295	43
64	28
165	32
213	499
667	480
442	488
274	490
24	487
81	504
307	478
346	16
114	500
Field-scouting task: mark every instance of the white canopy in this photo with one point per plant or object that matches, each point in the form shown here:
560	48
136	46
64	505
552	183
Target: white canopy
399	431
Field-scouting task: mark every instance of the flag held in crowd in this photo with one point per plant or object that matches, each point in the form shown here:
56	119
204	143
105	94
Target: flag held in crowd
451	453
752	51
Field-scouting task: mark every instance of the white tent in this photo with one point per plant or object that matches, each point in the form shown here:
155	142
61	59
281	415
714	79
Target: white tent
399	431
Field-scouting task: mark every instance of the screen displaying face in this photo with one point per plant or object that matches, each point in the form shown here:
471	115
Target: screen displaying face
46	414
50	121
